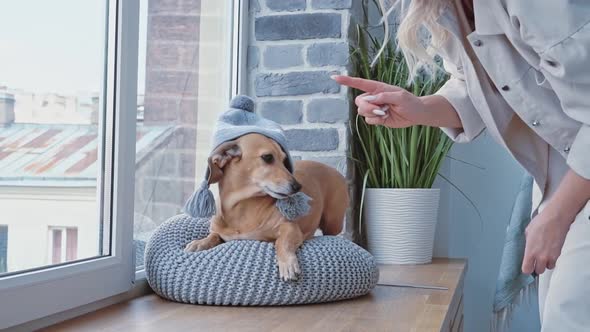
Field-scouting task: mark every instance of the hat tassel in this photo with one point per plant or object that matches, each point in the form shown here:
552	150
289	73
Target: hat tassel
295	206
201	204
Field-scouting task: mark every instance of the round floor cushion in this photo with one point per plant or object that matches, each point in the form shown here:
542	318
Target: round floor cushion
244	272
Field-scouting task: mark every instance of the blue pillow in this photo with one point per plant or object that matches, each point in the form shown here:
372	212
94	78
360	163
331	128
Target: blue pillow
244	272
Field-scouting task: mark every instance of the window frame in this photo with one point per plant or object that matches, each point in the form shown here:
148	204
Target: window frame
31	295
240	41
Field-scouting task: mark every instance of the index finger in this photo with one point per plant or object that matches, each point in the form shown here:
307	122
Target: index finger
357	83
528	263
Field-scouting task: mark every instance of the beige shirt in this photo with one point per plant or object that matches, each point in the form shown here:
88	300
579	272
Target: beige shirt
533	98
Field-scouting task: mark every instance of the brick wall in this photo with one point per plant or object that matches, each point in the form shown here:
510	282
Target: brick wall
295	45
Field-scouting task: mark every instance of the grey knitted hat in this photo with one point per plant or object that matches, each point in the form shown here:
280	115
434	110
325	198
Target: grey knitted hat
238	121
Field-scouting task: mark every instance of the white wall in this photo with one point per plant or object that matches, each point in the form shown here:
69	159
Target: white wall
461	233
29	211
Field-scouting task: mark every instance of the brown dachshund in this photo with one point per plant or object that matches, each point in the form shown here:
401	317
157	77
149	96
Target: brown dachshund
252	175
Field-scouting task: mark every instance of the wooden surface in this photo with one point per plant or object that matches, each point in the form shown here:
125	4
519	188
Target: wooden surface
386	308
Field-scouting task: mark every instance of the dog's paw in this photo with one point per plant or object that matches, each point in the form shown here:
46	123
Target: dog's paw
197	245
289	268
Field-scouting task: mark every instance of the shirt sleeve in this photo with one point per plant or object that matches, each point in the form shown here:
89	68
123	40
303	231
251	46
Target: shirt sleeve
455	92
566	66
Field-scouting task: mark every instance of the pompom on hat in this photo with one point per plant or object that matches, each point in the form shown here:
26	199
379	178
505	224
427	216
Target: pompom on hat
238	121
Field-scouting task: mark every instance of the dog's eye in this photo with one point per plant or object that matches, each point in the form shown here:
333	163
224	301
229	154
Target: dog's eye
268	158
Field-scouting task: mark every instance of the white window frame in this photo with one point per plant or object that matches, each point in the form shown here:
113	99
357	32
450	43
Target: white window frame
239	67
34	294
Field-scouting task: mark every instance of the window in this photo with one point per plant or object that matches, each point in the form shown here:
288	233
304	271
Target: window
63	244
67	146
184	83
51	99
92	93
3	248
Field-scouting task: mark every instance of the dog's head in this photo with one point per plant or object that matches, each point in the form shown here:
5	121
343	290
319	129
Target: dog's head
253	163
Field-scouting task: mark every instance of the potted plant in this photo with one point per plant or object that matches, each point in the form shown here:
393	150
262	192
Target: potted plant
398	166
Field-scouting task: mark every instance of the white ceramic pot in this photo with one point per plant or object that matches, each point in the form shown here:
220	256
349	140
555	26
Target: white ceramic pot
400	224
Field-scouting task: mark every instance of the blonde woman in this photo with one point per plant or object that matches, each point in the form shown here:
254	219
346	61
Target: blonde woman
521	70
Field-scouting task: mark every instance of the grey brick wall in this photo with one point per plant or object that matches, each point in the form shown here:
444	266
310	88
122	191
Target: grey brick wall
328	54
328	110
294	48
331	4
296	83
278	57
285	112
286	5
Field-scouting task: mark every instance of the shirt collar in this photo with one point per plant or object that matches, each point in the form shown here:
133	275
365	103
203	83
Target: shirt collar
486	22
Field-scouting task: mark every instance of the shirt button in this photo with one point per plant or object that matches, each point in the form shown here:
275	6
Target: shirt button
477	43
505	88
551	63
536	123
567	149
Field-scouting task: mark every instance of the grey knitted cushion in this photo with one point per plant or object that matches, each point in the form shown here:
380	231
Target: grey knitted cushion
244	272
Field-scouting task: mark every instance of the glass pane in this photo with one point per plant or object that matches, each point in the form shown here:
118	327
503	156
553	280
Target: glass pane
52	61
184	83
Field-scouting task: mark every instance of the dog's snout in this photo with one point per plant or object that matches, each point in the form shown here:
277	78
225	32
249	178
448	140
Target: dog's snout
295	186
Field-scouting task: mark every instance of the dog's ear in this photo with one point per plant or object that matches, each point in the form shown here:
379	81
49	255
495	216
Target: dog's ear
222	155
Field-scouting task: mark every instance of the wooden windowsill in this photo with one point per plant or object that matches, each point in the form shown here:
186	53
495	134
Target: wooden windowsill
386	308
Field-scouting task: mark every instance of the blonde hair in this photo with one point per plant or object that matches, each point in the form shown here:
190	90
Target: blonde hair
418	48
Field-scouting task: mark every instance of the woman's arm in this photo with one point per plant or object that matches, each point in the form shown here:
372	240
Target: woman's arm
572	194
546	233
442	113
405	108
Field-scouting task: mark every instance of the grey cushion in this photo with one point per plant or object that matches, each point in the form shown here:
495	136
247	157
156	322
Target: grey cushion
244	272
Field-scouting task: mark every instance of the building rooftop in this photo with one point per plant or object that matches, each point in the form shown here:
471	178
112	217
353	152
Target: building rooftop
61	155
